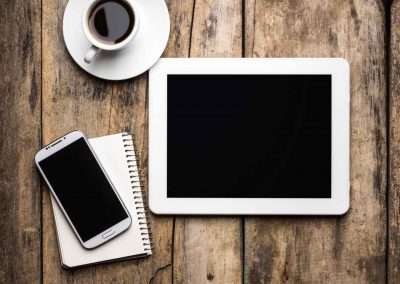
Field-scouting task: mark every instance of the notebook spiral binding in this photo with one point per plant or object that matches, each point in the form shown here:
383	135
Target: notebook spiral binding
138	194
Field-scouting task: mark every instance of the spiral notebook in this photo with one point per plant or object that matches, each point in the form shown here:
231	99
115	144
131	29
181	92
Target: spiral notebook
117	156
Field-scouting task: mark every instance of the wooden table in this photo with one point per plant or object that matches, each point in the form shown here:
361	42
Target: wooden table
44	95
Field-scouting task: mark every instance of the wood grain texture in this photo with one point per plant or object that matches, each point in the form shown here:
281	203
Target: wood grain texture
72	100
394	150
181	16
351	248
208	250
20	88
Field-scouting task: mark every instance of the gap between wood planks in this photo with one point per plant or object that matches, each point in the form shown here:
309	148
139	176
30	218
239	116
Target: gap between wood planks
387	10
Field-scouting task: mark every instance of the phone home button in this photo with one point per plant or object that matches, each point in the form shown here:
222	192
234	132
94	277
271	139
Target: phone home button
107	234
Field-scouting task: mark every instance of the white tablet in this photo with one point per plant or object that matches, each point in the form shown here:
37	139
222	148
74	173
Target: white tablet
249	136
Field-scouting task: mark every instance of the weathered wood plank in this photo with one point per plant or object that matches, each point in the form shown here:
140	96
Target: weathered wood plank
351	248
394	149
71	100
158	267
75	100
208	250
20	89
181	16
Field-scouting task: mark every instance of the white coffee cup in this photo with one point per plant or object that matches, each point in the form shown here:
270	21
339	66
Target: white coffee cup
97	44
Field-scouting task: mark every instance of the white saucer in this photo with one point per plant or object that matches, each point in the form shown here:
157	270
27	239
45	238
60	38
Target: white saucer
137	57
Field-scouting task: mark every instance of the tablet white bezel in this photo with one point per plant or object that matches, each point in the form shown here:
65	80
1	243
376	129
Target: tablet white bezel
336	205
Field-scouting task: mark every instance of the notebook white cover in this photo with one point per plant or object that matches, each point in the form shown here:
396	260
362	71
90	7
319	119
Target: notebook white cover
117	156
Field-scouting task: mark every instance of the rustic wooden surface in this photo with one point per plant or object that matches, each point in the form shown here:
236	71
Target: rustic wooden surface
209	249
352	248
394	150
20	136
44	94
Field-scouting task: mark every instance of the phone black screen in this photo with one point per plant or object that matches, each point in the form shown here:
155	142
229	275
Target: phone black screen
83	190
249	136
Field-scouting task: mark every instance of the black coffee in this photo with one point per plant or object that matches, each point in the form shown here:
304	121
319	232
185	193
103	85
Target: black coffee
111	21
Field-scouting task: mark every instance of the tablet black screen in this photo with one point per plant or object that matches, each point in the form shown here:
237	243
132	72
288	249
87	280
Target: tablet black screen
249	136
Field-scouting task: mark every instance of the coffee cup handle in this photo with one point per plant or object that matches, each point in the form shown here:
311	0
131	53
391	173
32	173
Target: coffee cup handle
90	54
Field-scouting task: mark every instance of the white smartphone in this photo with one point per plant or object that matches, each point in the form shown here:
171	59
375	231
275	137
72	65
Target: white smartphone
83	190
